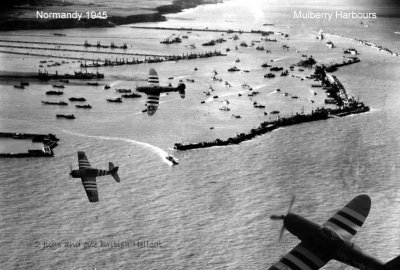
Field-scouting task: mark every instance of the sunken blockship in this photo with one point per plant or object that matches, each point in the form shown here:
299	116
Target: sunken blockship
49	143
335	91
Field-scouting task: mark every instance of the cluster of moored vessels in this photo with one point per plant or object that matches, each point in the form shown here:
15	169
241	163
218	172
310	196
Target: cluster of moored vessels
335	90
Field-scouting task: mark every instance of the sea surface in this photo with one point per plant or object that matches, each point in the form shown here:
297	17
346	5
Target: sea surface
212	210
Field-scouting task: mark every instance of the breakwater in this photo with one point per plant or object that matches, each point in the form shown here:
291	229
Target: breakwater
49	143
347	62
136	61
80	51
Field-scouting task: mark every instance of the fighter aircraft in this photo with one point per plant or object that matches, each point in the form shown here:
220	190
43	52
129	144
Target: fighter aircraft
153	91
88	175
319	244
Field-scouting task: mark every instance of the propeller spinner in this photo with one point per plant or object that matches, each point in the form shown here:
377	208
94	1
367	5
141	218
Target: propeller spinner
282	217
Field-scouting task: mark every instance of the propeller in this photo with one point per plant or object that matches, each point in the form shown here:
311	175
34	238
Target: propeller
282	217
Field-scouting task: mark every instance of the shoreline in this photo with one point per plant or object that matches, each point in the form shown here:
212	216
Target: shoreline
11	24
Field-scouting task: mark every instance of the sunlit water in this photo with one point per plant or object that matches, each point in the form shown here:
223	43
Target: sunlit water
212	210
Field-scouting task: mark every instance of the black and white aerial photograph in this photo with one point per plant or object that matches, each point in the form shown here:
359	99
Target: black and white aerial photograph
200	134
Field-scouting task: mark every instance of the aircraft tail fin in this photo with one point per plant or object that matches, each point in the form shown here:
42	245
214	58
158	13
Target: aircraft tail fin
181	88
393	264
114	172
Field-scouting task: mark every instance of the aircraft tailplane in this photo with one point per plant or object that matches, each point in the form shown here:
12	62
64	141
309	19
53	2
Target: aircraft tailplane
114	172
181	88
393	264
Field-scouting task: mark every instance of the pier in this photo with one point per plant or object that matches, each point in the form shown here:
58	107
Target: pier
49	143
86	44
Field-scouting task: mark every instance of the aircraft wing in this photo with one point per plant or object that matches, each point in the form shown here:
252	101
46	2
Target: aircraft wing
153	100
152	78
153	97
301	258
90	185
350	218
83	160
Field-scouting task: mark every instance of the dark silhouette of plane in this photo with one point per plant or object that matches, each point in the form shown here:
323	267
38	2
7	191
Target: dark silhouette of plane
319	244
154	90
88	176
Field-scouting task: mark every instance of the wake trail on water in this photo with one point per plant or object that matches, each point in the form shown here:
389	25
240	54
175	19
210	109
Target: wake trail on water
163	154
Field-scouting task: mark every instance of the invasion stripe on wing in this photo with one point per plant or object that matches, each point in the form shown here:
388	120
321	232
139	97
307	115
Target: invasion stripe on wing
347	222
297	262
339	230
280	266
354	214
290	264
351	218
311	256
304	259
343	226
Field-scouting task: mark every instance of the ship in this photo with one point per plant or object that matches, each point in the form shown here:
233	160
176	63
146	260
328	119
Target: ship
116	100
56	93
85	106
123	90
269	75
77	99
61	103
66	116
19	86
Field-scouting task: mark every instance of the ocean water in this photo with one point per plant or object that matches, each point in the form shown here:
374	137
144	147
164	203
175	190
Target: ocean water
212	210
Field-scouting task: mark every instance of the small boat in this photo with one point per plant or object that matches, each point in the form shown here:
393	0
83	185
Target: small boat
116	100
86	106
92	83
257	105
107	86
64	80
274	112
234	68
19	86
123	90
269	75
133	95
58	86
172	159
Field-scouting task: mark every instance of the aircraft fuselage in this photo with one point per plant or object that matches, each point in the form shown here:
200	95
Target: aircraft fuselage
88	173
325	242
